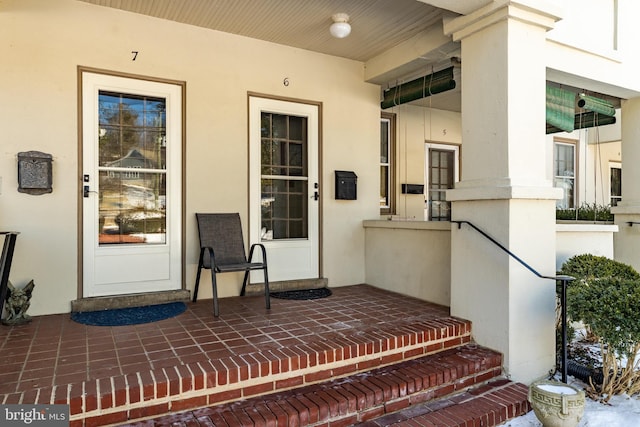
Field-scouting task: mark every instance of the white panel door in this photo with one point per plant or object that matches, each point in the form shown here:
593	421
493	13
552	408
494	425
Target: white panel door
284	193
132	148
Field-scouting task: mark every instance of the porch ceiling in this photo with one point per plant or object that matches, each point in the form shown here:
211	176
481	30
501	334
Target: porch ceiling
396	39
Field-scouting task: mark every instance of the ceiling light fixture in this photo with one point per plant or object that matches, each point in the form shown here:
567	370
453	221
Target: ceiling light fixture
340	27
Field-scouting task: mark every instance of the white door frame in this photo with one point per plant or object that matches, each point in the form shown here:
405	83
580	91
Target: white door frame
127	269
291	259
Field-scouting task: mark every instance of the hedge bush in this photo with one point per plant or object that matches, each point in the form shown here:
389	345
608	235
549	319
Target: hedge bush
589	266
586	212
606	298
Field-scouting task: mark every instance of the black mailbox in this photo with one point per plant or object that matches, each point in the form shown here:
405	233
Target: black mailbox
346	185
412	188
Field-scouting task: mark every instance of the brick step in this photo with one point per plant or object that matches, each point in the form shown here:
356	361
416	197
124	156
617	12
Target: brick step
354	399
219	380
488	405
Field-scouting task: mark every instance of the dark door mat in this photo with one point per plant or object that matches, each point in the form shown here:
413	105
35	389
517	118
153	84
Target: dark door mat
130	315
302	294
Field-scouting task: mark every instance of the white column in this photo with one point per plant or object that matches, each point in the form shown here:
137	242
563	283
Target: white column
505	189
627	239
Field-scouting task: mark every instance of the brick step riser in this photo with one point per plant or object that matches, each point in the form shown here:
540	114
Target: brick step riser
183	388
358	398
486	406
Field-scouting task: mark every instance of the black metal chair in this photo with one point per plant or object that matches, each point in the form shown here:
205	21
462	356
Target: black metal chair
222	250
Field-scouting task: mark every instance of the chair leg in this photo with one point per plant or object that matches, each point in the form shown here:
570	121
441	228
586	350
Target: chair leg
195	289
214	287
244	282
266	289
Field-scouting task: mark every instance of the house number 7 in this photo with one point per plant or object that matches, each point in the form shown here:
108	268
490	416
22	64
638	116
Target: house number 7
135	54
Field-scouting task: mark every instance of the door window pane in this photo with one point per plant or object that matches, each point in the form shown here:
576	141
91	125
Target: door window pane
132	207
132	146
284	182
441	173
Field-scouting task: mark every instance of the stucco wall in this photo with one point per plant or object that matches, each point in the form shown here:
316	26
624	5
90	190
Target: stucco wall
579	239
410	257
44	42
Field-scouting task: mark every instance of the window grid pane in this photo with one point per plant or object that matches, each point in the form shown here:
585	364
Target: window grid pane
441	174
385	164
283	154
616	186
564	174
131	135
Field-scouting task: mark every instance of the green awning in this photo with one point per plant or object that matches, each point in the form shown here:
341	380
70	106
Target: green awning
585	120
596	105
561	106
422	87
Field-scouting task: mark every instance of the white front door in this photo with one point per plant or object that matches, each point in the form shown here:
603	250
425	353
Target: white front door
442	171
284	188
132	149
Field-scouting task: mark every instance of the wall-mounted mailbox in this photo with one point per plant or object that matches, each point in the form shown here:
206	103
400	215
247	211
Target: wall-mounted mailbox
34	172
412	189
346	185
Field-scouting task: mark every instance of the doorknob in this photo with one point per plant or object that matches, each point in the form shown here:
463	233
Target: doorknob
85	188
316	195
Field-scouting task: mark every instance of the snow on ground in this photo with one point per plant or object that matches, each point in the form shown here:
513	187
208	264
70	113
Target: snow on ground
622	411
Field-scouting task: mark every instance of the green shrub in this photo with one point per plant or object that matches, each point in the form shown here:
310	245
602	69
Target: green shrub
589	266
586	212
609	306
606	297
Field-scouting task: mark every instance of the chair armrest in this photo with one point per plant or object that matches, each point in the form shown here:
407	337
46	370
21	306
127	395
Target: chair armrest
264	252
212	255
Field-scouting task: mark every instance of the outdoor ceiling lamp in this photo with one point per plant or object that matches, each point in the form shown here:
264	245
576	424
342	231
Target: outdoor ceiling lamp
340	27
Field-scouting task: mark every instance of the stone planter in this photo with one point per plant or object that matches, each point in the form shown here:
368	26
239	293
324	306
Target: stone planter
556	404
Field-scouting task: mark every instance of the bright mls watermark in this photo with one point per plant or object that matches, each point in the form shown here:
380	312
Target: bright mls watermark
34	415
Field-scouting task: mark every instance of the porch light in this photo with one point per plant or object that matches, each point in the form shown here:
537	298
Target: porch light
340	27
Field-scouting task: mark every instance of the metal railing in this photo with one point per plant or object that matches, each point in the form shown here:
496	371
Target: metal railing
562	279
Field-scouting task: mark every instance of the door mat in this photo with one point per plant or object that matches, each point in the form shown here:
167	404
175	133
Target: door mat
129	315
302	294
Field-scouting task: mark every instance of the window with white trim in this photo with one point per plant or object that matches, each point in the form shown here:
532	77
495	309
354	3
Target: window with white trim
387	150
615	172
564	173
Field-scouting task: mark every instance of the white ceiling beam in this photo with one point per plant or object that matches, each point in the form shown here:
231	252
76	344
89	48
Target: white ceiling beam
462	7
406	58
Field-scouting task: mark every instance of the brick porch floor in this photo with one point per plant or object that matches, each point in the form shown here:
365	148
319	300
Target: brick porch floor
111	375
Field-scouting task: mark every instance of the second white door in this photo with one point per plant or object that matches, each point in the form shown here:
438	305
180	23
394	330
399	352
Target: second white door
284	188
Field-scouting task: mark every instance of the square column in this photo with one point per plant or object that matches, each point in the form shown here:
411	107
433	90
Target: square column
505	190
627	239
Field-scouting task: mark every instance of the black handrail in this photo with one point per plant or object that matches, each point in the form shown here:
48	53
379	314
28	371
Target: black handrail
563	279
